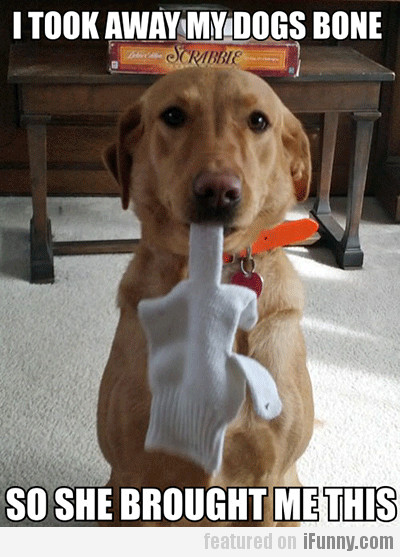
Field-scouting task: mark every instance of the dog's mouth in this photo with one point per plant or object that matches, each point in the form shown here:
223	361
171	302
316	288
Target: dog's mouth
225	216
229	230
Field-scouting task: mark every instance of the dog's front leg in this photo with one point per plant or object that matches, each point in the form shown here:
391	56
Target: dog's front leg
277	343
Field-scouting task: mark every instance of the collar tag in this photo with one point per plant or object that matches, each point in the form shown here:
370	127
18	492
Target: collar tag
250	279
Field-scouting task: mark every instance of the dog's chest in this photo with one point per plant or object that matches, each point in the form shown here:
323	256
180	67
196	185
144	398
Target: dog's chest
228	271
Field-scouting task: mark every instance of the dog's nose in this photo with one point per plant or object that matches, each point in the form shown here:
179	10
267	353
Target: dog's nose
217	191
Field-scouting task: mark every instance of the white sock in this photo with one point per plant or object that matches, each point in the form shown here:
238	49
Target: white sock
198	384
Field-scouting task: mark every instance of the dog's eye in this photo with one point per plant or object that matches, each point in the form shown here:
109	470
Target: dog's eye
174	117
258	122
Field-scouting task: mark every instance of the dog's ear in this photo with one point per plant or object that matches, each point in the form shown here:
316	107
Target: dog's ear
117	157
297	149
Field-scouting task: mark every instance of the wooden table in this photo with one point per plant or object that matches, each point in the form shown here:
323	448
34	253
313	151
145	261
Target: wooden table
67	85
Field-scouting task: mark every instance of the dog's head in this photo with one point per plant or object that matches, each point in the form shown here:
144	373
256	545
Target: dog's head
210	145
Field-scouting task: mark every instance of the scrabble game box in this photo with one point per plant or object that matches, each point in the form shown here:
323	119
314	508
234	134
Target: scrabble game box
265	58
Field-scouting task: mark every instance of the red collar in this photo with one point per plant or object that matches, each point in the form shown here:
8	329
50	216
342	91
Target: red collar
290	232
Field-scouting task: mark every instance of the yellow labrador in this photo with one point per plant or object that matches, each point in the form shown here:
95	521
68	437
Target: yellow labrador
209	145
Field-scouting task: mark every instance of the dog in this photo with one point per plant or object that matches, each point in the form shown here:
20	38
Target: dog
209	145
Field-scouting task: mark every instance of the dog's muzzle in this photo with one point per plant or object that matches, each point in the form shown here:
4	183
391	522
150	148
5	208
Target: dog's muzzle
216	196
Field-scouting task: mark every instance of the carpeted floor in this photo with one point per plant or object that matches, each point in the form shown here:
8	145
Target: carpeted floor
55	339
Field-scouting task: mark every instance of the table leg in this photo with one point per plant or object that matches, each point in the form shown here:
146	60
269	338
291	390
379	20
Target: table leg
42	269
322	205
329	229
345	243
349	251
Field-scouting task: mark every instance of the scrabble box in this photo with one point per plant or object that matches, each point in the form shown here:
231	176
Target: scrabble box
265	58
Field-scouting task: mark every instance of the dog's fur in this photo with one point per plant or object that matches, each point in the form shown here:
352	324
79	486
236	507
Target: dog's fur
156	166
